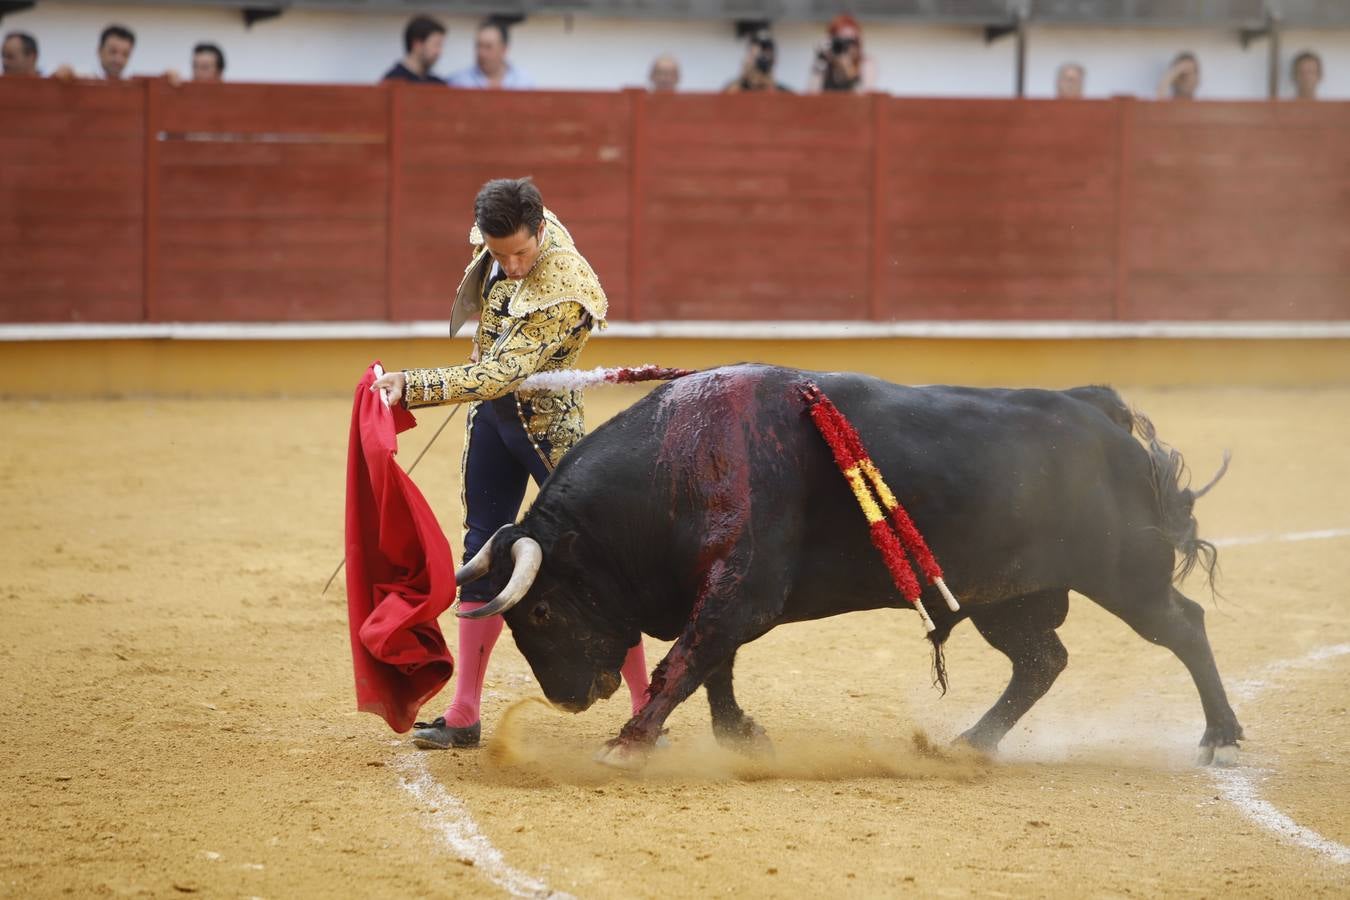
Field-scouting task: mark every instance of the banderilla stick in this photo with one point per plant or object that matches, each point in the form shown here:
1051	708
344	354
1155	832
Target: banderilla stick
454	412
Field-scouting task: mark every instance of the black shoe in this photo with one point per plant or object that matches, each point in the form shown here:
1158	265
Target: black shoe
439	736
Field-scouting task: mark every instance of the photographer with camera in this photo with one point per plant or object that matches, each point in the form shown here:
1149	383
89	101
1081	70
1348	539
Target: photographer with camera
757	71
1182	78
840	64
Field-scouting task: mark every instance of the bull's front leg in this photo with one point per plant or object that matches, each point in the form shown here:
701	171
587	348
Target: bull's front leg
708	641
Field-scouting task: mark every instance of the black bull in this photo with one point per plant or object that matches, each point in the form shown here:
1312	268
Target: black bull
712	511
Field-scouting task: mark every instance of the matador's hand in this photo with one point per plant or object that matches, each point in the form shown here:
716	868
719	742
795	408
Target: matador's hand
393	385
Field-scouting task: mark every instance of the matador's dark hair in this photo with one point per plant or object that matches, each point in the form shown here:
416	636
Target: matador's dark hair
505	205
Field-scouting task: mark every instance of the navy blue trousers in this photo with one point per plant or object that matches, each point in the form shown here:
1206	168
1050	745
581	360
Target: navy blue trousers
500	461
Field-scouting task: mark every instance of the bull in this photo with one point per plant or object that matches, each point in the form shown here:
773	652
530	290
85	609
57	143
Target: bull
712	511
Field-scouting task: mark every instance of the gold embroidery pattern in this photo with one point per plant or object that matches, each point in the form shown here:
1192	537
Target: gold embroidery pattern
544	341
554	419
548	318
560	275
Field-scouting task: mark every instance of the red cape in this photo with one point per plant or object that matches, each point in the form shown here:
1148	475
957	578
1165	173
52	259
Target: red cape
400	571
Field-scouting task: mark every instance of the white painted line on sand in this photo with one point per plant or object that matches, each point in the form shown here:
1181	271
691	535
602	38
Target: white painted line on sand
1288	537
1250	688
448	815
1239	787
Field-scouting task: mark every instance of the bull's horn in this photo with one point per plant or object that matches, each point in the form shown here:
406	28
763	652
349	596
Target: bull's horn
477	567
528	556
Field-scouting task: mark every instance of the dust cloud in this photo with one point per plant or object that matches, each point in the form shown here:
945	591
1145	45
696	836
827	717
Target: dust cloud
520	750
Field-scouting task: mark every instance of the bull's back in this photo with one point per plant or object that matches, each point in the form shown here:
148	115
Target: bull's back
1014	490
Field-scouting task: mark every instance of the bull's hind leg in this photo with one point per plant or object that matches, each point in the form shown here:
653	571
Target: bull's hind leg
1023	629
731	725
1172	620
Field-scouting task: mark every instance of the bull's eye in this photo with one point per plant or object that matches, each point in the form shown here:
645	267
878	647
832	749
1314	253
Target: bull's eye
540	613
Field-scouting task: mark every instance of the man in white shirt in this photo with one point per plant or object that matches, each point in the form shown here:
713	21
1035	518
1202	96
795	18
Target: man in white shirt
491	69
114	52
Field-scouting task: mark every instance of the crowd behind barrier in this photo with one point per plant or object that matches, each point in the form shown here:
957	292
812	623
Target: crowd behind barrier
839	63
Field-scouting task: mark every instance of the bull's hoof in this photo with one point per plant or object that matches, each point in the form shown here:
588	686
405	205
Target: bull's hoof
1224	756
624	756
972	740
745	737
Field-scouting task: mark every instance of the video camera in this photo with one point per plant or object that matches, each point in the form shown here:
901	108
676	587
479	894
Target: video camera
841	45
766	51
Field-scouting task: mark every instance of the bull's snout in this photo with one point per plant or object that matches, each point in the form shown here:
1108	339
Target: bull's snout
603	685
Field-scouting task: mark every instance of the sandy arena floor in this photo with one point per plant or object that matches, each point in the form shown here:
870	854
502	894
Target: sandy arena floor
177	713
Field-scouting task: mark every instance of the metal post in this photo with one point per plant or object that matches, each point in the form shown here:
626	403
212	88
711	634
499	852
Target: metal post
1273	25
1021	54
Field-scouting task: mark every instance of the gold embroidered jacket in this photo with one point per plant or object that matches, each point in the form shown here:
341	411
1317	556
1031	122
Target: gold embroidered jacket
538	323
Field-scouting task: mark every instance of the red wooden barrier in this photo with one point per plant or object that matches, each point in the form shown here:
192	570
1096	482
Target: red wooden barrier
272	203
575	146
71	202
997	210
756	207
284	203
1239	211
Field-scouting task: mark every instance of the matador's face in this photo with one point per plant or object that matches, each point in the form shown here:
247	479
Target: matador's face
516	253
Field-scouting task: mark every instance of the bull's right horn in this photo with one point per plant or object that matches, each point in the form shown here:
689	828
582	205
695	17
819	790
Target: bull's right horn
477	567
528	557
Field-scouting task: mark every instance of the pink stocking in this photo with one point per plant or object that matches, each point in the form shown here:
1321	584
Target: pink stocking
635	673
476	639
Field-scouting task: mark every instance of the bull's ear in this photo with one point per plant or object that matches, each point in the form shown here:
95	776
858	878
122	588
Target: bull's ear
564	549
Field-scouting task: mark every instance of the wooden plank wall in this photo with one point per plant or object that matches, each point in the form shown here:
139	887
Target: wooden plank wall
576	147
72	163
271	203
755	207
1238	211
995	210
296	202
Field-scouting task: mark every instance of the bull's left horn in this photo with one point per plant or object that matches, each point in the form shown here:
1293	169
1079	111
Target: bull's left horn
528	556
477	567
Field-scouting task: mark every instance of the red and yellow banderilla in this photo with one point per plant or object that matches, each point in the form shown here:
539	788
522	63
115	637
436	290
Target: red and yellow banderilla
872	494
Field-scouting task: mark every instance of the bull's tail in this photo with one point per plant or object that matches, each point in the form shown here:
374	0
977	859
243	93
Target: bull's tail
938	638
1176	504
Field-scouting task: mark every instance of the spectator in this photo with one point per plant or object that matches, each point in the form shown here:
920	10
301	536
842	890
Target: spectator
757	70
1069	79
1306	72
20	53
841	65
208	63
665	74
423	40
490	68
1181	79
114	52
